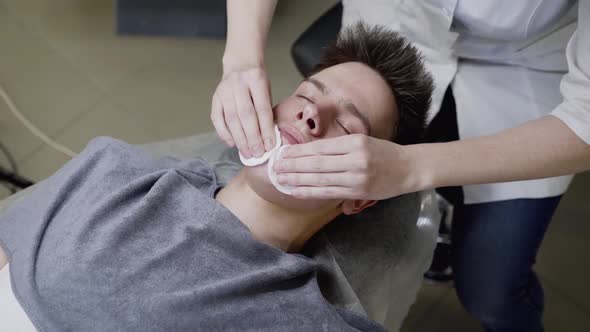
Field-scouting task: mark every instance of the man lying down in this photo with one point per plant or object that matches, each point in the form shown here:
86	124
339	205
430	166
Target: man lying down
120	240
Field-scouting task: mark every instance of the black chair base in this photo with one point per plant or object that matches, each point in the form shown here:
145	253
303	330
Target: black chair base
440	271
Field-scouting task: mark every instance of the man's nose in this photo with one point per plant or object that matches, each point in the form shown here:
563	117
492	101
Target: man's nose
311	117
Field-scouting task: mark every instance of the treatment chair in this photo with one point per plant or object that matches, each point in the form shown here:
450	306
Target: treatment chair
372	263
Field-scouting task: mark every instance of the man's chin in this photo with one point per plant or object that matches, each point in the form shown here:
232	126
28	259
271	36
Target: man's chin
258	180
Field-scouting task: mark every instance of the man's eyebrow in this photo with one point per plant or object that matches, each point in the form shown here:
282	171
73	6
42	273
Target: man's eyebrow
319	85
350	106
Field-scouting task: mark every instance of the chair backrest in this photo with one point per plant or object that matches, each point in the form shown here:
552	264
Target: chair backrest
307	49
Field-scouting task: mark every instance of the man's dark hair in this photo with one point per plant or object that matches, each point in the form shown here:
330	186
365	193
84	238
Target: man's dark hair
399	64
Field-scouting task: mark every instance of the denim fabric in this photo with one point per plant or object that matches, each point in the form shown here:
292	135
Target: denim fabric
494	247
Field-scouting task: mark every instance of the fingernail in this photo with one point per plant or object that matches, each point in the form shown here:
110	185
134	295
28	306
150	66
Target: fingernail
258	151
282	179
268	144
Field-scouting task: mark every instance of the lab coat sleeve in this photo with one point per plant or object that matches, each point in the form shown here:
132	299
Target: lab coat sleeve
574	111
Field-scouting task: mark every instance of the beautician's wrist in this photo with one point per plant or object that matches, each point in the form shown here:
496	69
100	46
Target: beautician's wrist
422	172
233	62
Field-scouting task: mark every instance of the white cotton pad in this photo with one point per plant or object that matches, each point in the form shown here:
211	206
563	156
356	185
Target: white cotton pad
264	158
272	175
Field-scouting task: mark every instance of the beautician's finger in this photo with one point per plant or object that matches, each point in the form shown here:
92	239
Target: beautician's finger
328	146
344	179
233	123
219	122
260	92
249	120
315	164
332	192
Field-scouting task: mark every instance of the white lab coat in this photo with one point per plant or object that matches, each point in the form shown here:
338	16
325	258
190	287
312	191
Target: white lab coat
504	60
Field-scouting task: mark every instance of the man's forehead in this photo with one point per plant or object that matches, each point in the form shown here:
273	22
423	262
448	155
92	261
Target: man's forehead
318	84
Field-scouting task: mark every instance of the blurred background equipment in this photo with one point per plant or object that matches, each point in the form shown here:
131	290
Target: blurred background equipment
178	18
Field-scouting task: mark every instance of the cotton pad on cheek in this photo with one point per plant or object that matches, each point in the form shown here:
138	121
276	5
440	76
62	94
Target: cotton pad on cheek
264	158
272	175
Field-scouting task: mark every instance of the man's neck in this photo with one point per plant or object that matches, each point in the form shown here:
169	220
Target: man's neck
270	223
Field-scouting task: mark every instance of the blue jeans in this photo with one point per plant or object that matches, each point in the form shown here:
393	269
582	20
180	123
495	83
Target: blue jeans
494	246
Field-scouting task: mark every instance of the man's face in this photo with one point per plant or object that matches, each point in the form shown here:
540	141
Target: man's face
348	98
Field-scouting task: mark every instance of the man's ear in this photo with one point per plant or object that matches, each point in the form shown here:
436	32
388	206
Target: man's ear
350	207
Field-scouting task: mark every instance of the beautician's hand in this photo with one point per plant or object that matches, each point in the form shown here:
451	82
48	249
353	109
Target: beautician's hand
241	111
347	167
241	107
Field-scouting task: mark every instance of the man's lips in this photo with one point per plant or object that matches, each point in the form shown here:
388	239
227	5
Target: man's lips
291	135
288	138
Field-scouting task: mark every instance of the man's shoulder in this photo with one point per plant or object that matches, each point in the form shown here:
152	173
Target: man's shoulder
109	145
114	152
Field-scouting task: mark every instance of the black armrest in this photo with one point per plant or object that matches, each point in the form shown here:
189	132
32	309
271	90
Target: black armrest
307	49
